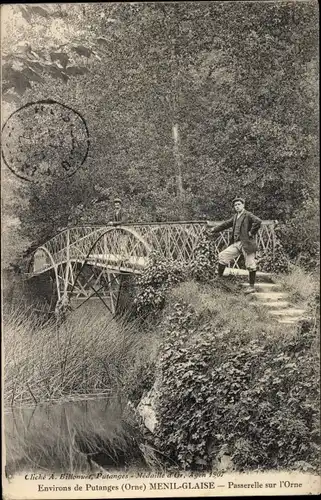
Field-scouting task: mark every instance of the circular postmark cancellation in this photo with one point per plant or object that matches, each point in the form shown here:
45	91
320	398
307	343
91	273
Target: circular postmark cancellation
44	140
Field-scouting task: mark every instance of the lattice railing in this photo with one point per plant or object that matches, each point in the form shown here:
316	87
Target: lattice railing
128	246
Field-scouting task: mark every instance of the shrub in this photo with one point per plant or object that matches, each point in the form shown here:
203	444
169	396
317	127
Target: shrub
254	394
203	266
300	236
157	278
276	262
161	275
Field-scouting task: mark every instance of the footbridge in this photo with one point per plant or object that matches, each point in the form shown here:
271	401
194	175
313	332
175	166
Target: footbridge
91	261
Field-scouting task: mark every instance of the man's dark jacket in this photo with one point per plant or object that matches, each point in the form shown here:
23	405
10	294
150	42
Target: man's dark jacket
119	216
250	224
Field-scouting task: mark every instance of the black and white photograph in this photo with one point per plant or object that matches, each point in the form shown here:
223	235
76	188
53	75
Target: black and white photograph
160	249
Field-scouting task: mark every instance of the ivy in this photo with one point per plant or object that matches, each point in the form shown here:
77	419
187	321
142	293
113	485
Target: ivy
161	274
276	262
257	400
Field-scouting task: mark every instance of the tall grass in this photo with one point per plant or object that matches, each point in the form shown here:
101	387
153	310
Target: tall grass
65	388
86	355
301	285
229	310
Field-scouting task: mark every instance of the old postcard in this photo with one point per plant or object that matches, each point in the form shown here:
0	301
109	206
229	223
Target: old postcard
160	249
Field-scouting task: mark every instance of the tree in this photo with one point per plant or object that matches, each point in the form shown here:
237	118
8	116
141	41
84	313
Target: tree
186	104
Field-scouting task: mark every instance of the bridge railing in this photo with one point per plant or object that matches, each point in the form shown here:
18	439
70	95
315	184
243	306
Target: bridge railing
130	244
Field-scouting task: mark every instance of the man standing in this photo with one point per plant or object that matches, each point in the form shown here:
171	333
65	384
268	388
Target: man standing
245	226
118	214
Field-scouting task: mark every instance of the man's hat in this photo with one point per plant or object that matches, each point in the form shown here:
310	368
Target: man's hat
238	199
117	200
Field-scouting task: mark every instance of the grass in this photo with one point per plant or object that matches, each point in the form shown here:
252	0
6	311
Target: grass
91	356
229	309
301	285
63	390
86	355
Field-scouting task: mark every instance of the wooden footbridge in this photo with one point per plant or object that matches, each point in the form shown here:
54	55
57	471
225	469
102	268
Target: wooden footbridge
91	261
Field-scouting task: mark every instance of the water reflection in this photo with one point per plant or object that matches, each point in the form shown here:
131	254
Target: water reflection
72	436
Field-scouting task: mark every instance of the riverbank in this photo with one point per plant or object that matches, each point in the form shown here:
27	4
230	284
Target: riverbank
229	385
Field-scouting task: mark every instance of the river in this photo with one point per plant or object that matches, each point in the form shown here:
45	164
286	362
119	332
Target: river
72	436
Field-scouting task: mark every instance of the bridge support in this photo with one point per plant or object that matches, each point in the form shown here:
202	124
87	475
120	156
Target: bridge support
92	261
77	283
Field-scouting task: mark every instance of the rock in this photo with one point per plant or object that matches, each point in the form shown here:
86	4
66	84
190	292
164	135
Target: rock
146	410
304	466
225	463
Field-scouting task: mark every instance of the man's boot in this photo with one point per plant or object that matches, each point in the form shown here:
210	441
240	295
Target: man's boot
251	288
221	268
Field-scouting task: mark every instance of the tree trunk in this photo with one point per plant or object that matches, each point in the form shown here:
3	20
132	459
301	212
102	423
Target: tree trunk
178	161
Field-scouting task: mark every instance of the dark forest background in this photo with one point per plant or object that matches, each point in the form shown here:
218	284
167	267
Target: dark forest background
187	105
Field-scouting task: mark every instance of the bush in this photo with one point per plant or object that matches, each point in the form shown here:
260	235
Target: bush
300	236
255	395
203	266
161	275
277	262
157	278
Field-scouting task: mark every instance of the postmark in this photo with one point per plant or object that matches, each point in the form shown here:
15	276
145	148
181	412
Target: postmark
45	140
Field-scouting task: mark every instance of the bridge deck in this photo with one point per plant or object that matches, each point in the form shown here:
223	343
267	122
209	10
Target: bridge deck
128	247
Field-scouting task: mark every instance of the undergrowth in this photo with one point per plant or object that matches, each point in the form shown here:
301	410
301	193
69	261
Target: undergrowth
232	381
303	286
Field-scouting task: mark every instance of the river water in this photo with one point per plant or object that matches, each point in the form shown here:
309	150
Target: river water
71	436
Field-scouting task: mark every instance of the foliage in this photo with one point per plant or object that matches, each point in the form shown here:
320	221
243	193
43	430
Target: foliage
302	286
161	275
300	235
239	81
157	278
254	396
203	265
276	262
29	61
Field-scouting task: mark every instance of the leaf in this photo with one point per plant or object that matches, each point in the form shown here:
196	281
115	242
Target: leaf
10	98
61	57
32	75
21	85
76	70
55	72
6	86
17	80
96	55
35	65
25	13
82	51
41	11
